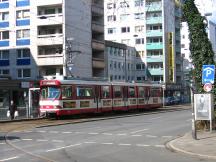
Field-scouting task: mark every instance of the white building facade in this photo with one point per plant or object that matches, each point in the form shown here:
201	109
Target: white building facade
40	38
153	28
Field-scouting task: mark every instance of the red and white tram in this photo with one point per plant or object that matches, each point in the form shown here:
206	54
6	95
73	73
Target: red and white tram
68	97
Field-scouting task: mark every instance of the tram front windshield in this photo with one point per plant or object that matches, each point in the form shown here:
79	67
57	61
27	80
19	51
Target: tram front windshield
50	92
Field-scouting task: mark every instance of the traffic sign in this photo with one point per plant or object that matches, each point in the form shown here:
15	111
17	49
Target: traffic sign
208	72
207	87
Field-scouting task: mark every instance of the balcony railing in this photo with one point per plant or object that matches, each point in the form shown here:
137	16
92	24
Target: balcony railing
51	39
49	19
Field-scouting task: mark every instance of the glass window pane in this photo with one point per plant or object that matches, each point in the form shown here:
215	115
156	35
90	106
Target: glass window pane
19	34
19	14
66	92
105	92
117	91
26	33
26	73
5	54
5	35
26	52
5	16
26	14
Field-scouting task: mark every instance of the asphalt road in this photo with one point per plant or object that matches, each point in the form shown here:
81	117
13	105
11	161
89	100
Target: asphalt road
129	139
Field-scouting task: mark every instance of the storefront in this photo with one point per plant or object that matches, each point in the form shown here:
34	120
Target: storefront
18	91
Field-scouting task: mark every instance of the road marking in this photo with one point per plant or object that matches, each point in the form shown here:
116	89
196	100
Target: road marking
139	131
93	133
107	143
79	132
2	143
66	132
151	136
57	141
124	144
167	136
161	146
53	132
28	131
27	139
155	118
136	135
41	131
107	134
90	142
16	140
42	140
10	158
122	134
78	144
142	145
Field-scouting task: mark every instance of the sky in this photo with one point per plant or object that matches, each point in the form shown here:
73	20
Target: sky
206	6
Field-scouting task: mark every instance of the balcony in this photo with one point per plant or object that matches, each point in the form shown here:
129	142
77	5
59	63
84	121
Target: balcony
48	3
99	10
98	63
49	19
97	27
50	60
4	5
154	20
154	33
51	39
98	45
158	71
154	59
153	46
4	24
153	7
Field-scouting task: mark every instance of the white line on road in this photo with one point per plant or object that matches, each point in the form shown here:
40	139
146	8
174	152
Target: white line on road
161	146
151	136
107	134
53	132
142	145
121	134
42	140
124	144
79	132
78	144
155	118
10	158
41	131
57	141
139	131
136	135
167	136
28	131
2	143
93	133
90	142
27	139
66	132
107	143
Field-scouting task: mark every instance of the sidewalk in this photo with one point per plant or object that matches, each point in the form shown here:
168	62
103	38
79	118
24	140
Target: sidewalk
204	146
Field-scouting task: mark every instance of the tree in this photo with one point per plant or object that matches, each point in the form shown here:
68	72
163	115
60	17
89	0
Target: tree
200	46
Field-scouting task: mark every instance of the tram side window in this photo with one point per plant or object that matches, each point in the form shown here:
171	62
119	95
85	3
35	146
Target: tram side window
85	92
131	91
66	92
117	91
105	91
141	92
154	92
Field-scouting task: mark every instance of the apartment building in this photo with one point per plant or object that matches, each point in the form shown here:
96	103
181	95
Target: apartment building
120	62
40	38
153	28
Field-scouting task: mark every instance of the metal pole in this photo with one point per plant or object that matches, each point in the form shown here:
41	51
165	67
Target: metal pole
194	134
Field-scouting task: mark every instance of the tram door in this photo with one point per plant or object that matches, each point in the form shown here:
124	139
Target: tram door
34	95
97	98
125	96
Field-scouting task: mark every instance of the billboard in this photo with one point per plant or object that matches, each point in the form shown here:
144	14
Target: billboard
171	56
203	106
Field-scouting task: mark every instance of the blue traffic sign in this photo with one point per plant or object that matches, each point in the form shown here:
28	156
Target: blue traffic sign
208	72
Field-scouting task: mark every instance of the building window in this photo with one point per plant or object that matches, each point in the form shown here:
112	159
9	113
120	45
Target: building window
138	3
4	71
24	33
124	17
4	16
139	41
125	41
23	53
111	18
139	15
4	35
139	28
23	14
3	0
111	5
4	55
182	45
125	29
111	30
124	4
24	73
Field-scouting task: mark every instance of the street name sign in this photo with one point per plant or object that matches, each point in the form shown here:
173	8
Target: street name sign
208	72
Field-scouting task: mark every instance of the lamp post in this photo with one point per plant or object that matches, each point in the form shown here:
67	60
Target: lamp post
194	134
